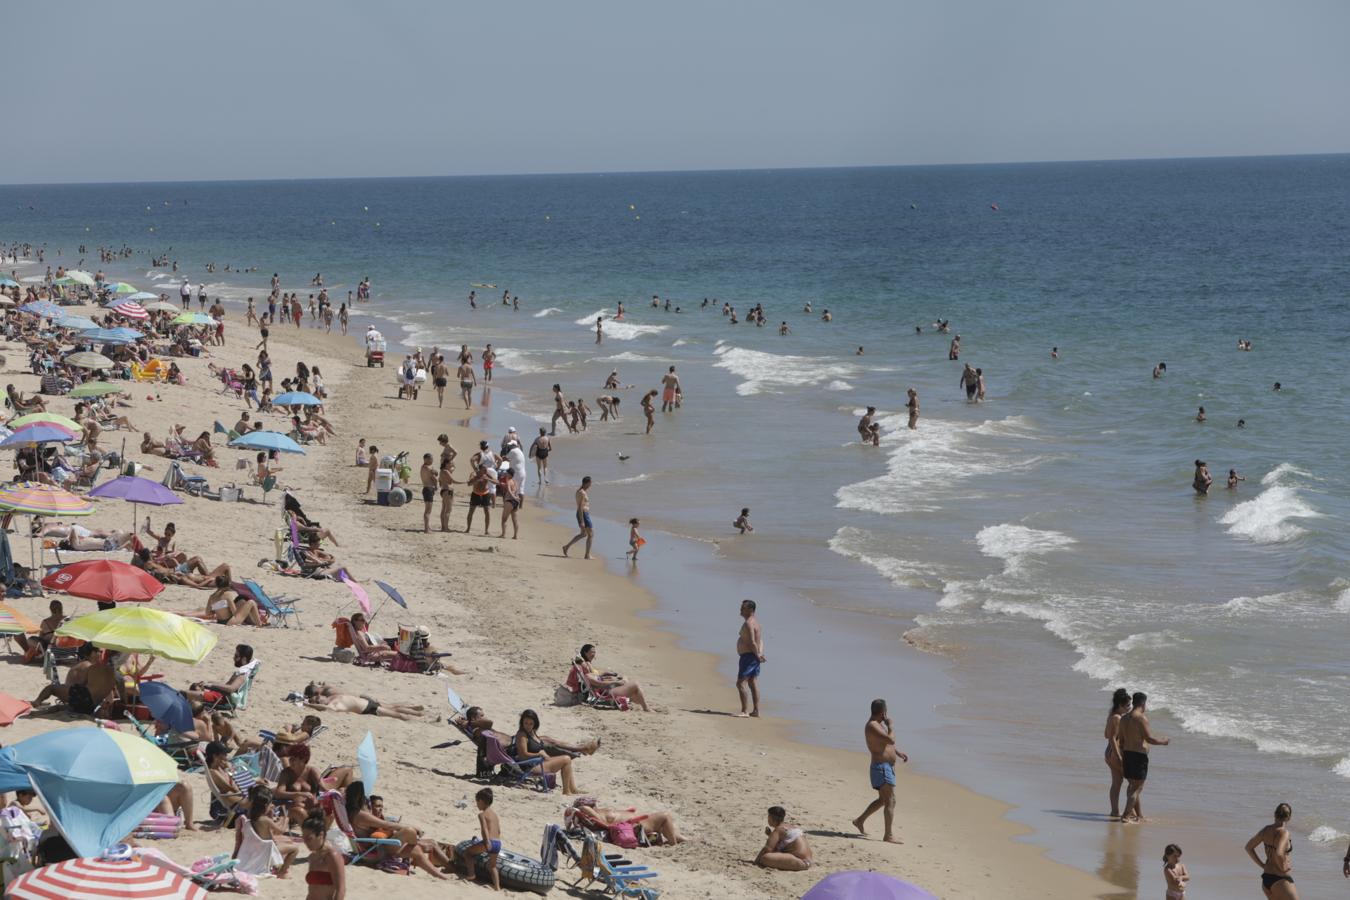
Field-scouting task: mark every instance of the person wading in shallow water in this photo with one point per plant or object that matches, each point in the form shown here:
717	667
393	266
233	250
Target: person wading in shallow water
1135	738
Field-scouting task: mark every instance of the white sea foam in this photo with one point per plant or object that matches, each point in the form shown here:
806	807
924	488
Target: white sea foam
547	312
1268	517
838	385
679	342
635	479
926	464
762	371
1325	834
524	362
628	356
619	331
1014	544
1342	587
1241	606
849	541
1151	640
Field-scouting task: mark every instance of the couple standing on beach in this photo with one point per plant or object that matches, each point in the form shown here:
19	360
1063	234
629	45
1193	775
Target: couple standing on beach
1127	741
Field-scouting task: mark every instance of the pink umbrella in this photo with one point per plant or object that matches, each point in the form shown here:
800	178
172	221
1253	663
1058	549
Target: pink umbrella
865	886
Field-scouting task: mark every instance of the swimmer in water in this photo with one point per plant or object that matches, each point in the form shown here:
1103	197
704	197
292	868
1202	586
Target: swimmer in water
826	317
1242	423
807	308
743	521
954	351
1202	479
599	328
913	406
1054	353
1200	416
865	424
1233	479
1277	385
783	329
860	352
1160	370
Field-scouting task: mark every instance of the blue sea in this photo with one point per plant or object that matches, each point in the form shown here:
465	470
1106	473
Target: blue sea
1041	547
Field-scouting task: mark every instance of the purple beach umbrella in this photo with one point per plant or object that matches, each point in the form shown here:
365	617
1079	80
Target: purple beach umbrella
865	886
136	490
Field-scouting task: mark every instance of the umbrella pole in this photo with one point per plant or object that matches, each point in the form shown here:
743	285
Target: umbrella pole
377	610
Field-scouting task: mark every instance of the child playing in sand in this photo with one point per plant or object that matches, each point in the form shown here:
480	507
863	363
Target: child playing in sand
490	843
635	540
743	522
361	458
1175	873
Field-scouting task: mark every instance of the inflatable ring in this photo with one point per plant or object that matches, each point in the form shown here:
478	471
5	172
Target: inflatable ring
519	873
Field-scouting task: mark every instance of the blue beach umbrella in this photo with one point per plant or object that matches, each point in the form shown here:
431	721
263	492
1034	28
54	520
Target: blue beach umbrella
33	435
12	778
79	323
365	759
296	398
97	784
266	440
97	335
6	281
167	705
137	297
45	308
393	594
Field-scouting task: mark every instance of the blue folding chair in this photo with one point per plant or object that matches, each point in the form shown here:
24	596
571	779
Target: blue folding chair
273	606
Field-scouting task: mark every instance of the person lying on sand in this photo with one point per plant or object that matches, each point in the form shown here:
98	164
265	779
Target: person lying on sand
77	537
660	827
180	569
324	696
786	848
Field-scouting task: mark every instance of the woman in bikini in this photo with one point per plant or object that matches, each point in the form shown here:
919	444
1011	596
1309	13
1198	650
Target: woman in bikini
445	483
1120	705
227	608
327	875
529	746
1277	879
559	409
266	828
421	851
786	848
509	491
659	827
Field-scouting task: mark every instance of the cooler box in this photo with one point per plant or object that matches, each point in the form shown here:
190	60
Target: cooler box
384	480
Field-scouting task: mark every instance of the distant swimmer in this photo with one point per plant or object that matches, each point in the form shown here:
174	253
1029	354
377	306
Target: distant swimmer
1233	479
918	329
1054	353
970	381
1202	479
913	406
670	388
612	382
826	317
860	352
879	734
473	300
743	521
1277	385
1242	423
954	351
783	329
619	312
1200	415
873	435
807	308
1160	370
865	424
649	410
599	328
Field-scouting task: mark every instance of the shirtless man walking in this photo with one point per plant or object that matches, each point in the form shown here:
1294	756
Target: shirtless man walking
750	649
880	737
467	381
970	381
670	389
584	527
1135	738
440	377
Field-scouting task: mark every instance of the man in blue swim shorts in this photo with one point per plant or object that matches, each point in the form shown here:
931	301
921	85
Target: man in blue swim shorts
584	527
880	737
750	648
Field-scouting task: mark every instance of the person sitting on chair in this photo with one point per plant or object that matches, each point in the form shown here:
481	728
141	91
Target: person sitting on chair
215	692
368	646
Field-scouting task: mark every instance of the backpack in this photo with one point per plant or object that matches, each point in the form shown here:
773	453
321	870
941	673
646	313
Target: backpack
623	834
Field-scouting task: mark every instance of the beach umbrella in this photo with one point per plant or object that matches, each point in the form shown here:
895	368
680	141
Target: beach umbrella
37	434
45	308
136	491
87	359
79	323
81	277
138	878
391	594
192	318
869	885
296	398
6	281
266	440
160	306
14	622
97	389
34	499
46	418
5	301
97	784
105	580
64	281
167	705
365	759
96	335
139	296
121	287
139	629
12	708
131	309
12	778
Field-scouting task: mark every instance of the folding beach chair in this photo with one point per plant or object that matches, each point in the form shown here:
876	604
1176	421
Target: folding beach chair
515	772
180	749
596	699
280	608
616	875
231	703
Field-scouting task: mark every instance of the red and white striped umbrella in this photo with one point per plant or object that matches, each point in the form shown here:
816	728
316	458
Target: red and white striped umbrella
131	309
100	879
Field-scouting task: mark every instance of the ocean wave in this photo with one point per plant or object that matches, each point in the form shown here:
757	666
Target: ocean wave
762	371
1240	606
628	356
849	541
522	361
619	331
1151	640
1014	544
679	342
926	464
837	385
1325	834
1342	587
632	480
547	312
1268	517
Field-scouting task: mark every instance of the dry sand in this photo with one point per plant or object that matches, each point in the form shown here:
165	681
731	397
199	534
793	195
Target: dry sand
514	614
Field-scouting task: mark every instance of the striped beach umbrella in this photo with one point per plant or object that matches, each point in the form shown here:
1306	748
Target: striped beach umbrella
87	359
14	622
38	433
99	879
31	498
46	418
131	309
139	296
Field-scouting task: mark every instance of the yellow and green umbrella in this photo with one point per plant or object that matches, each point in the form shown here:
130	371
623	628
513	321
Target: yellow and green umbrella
120	287
61	420
141	630
98	389
33	499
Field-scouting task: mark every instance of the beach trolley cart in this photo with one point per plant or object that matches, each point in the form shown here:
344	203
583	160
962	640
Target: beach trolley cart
375	354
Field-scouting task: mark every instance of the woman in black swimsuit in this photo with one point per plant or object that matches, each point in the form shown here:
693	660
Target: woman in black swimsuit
1277	879
529	744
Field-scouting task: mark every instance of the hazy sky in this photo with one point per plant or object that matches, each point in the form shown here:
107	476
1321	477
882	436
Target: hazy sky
155	90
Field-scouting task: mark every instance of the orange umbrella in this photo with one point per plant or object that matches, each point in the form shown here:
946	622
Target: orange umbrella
14	622
11	708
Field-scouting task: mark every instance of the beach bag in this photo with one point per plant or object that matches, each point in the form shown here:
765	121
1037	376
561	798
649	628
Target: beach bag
623	834
344	654
565	696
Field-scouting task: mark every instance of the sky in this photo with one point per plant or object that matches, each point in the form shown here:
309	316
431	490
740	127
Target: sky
162	91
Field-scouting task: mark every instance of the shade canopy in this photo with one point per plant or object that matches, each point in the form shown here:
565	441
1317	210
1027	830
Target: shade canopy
296	398
99	879
138	629
266	440
43	500
105	580
37	433
87	359
131	309
135	489
79	276
97	784
97	389
46	417
138	297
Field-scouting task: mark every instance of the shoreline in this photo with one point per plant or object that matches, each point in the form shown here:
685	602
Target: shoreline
1018	865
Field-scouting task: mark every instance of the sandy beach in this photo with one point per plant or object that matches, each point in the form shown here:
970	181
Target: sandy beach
514	613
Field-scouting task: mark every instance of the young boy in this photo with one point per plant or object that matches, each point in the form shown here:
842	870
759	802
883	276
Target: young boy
743	522
490	843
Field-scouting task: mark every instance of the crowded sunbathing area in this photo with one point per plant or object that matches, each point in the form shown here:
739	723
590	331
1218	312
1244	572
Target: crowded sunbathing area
230	660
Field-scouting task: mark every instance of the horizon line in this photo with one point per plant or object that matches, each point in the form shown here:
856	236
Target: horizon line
712	170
